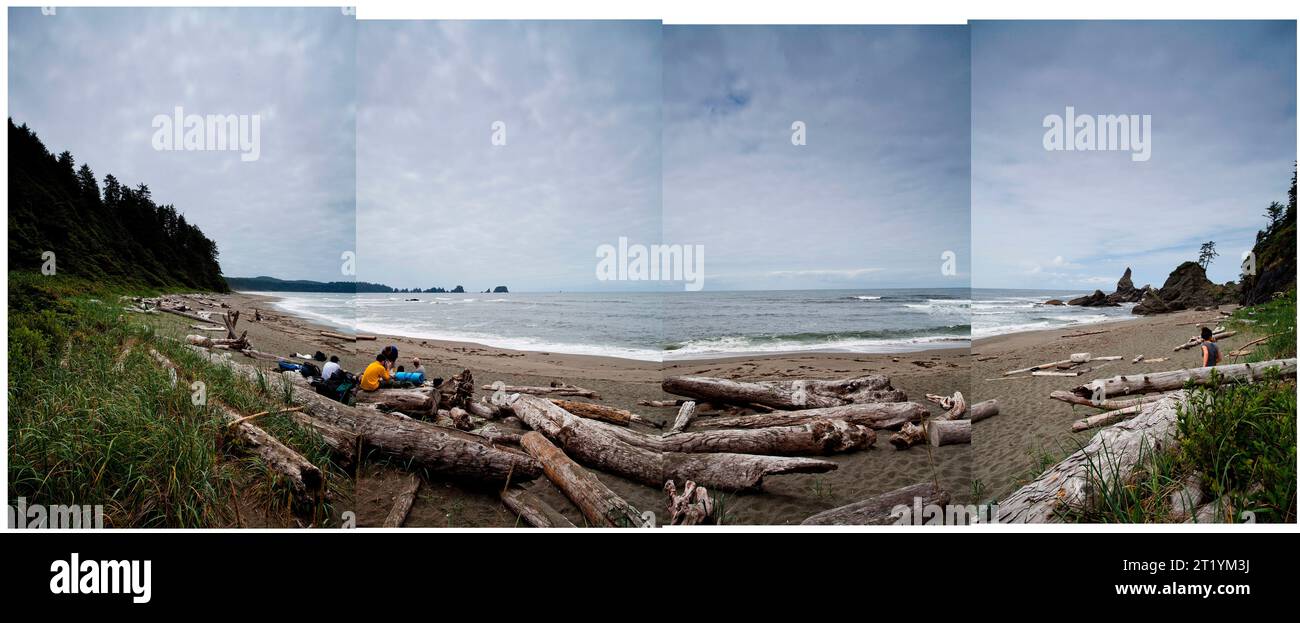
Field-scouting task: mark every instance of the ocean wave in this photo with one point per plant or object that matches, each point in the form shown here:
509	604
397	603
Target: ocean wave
842	341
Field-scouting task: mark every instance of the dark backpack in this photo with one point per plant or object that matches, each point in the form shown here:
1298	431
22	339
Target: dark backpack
341	387
309	370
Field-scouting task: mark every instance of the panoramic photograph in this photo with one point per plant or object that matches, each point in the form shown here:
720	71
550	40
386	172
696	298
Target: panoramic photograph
1133	226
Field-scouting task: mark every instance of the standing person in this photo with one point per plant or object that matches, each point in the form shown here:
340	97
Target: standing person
377	374
1209	348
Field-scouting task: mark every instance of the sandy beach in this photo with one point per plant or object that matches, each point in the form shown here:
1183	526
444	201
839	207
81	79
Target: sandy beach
621	383
1030	422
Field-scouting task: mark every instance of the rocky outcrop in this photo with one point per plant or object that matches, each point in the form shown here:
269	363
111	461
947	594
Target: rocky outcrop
1054	302
500	290
1186	288
1096	299
1124	290
1124	293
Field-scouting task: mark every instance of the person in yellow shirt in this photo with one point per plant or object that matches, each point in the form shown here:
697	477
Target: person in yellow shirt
376	375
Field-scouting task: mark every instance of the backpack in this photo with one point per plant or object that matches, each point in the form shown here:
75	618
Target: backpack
309	370
341	387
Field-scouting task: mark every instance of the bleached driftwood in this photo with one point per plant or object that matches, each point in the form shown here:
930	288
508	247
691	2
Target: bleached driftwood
403	502
983	410
817	437
600	505
533	509
557	389
1176	379
595	445
883	509
692	507
954	406
684	417
947	432
798	394
611	415
1107	405
1105	419
877	415
1196	341
1110	456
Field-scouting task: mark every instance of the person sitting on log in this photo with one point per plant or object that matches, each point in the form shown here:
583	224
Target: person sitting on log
1209	348
330	368
377	374
415	365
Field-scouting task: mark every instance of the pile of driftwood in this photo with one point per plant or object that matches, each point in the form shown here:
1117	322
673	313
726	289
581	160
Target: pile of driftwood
1106	394
727	436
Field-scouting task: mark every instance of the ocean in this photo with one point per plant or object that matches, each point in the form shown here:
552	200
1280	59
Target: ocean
998	312
655	326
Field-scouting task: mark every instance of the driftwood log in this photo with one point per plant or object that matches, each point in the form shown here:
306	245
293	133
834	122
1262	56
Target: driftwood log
800	394
692	507
907	436
818	437
442	450
983	410
403	502
947	432
883	509
877	415
457	391
533	510
610	415
556	389
593	443
1196	341
409	401
601	506
305	480
1108	405
954	406
1176	379
684	416
1110	456
1105	419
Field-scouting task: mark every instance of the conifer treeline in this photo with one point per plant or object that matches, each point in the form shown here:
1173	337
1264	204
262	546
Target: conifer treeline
114	233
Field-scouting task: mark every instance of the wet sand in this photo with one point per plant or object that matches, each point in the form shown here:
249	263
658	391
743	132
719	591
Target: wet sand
621	383
1030	422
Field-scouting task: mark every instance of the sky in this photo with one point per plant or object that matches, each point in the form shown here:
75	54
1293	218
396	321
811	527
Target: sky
1221	96
439	204
876	196
91	81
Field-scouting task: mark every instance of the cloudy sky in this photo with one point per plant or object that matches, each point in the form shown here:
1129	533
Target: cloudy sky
876	196
439	205
1221	96
90	81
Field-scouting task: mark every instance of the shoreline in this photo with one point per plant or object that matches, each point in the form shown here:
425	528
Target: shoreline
939	344
621	383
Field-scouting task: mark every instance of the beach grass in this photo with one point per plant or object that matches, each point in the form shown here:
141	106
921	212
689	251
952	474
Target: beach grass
1274	320
95	420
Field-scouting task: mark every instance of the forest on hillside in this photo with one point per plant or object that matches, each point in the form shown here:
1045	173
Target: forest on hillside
109	233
